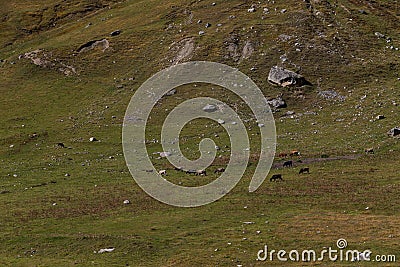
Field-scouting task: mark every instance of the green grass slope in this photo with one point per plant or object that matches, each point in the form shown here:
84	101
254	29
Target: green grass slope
50	219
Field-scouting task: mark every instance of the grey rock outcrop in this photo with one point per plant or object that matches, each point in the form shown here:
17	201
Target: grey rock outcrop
283	77
277	103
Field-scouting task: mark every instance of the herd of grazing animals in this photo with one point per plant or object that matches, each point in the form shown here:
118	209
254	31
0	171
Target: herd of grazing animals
288	164
275	177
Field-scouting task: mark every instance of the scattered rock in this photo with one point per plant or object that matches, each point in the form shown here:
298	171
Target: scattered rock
165	154
283	77
284	37
248	50
380	35
45	60
98	44
277	103
331	95
201	32
221	121
127	202
380	117
105	250
172	92
93	139
183	50
251	10
210	108
208	25
394	131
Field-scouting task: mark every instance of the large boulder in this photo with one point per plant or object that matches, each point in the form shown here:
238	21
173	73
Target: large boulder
283	77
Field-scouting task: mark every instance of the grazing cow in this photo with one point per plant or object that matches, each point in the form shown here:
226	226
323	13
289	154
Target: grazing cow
61	145
288	164
219	170
276	177
162	172
294	153
201	172
282	155
304	170
369	150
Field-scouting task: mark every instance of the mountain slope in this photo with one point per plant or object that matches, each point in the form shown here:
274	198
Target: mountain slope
61	204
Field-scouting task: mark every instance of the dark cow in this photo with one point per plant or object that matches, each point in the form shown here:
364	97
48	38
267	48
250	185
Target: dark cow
61	145
191	172
304	170
294	153
288	163
369	150
282	155
201	172
276	177
219	170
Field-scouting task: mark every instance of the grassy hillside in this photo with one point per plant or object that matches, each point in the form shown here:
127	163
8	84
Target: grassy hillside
59	205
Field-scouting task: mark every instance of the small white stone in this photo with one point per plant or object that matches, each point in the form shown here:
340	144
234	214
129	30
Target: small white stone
127	201
210	108
165	154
